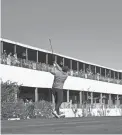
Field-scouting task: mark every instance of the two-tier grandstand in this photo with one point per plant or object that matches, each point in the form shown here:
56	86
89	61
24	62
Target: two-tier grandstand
31	66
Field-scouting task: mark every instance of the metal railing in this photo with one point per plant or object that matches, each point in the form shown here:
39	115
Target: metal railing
47	68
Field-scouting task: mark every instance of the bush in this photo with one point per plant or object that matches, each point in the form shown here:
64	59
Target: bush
8	98
43	109
11	107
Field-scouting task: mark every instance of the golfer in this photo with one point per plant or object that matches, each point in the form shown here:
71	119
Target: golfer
60	75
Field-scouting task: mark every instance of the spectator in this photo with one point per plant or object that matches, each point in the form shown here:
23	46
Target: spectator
98	76
71	72
15	56
31	109
9	58
81	71
15	59
4	57
24	55
24	59
61	64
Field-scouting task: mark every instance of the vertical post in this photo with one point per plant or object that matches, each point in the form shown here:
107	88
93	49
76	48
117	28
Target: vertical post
63	61
109	99
77	66
101	98
15	48
1	51
95	70
110	73
118	76
84	67
37	58
83	99
46	58
117	102
70	64
91	97
55	58
87	95
114	75
105	72
36	94
100	71
90	67
67	95
1	47
26	54
80	95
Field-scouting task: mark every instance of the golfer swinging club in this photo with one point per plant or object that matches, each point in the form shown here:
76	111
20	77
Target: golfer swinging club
60	75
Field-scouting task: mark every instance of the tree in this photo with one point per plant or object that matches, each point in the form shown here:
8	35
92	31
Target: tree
9	91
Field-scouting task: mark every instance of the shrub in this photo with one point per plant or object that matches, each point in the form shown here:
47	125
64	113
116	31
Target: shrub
43	109
8	98
11	107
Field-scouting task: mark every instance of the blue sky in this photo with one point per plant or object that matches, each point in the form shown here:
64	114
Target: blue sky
90	30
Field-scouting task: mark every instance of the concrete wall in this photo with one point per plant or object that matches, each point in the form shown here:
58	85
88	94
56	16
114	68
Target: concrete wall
40	79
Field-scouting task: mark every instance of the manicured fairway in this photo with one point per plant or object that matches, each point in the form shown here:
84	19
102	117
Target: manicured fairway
91	125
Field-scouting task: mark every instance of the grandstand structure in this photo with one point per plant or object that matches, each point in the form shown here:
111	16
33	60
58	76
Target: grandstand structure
87	82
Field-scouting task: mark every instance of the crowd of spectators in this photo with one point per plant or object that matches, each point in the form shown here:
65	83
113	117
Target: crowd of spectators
22	62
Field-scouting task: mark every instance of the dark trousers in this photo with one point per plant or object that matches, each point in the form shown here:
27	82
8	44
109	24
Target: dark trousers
58	95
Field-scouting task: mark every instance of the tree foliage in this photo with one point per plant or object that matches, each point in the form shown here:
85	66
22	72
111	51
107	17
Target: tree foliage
8	98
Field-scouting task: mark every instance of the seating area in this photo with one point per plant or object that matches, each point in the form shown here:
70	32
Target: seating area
15	61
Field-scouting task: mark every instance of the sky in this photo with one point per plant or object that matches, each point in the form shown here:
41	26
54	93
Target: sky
89	30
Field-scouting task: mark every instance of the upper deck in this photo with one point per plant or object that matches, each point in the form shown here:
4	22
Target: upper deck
40	59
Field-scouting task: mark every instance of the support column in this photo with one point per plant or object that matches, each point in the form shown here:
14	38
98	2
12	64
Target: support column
95	70
110	73
36	94
47	58
55	58
77	66
63	61
80	94
109	100
37	58
26	54
83	97
70	64
1	47
100	72
101	98
114	75
117	101
84	67
15	48
91	97
118	76
67	95
105	73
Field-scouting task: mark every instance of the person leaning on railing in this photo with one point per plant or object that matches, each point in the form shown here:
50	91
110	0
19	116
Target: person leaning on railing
9	58
15	60
4	57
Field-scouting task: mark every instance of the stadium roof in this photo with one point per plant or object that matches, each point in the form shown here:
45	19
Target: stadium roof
38	49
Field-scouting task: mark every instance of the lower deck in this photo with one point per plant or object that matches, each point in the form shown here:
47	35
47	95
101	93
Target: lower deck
75	97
